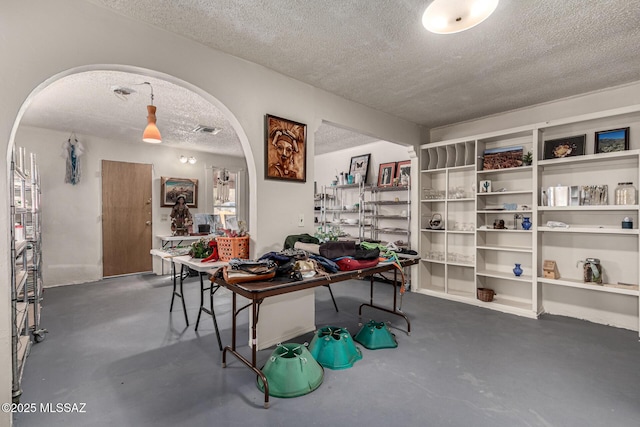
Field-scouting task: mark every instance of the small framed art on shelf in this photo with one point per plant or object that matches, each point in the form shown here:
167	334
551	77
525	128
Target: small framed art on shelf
608	141
386	174
564	147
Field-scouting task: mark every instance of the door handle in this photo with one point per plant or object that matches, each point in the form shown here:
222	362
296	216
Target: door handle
148	222
148	202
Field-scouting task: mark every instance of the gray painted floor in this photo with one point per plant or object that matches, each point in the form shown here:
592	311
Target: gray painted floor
114	346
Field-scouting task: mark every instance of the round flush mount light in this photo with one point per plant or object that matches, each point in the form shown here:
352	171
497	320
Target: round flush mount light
453	16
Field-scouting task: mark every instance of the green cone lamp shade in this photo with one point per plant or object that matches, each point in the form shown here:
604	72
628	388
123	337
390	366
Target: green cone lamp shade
334	348
291	371
375	335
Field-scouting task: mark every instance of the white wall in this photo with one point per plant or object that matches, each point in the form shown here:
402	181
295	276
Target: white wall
620	96
327	165
44	41
72	230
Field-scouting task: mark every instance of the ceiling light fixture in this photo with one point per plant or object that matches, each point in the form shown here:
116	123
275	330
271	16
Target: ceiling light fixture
191	160
151	133
453	16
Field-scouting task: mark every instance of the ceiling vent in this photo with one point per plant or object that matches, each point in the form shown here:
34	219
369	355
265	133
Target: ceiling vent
207	129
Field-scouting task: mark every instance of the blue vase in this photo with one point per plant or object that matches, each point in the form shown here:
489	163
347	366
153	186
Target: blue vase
517	270
526	224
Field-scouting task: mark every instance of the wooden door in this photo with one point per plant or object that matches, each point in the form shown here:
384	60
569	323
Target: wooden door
126	218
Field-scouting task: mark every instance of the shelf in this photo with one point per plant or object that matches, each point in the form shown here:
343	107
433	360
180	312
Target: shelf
23	346
434	261
499	193
20	247
503	275
588	208
388	203
21	314
593	230
460	231
506	170
509	306
506	248
393	231
404	217
432	230
504	230
389	188
504	211
589	158
432	200
465	199
572	283
21	279
461	264
452	169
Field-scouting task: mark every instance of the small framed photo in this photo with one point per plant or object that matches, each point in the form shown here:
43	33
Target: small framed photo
403	172
485	186
386	173
564	147
608	141
360	165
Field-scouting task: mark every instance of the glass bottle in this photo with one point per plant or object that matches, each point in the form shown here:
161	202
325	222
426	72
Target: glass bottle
625	194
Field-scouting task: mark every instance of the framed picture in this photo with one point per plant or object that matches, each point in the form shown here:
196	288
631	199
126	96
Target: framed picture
172	188
285	151
608	141
403	172
564	147
360	165
485	186
502	158
386	173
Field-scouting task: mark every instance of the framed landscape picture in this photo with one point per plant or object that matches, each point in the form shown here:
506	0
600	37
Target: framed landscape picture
360	165
564	147
172	188
502	158
386	174
608	141
285	149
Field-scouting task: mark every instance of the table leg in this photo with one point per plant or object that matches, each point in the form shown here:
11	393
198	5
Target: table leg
212	290
395	310
184	306
251	365
173	294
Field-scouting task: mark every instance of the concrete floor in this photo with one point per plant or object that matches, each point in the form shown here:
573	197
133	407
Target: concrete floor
114	346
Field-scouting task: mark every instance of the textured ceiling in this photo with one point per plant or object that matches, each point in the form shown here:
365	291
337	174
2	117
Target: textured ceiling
378	54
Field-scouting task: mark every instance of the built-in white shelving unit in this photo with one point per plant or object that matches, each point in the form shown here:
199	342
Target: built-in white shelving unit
472	251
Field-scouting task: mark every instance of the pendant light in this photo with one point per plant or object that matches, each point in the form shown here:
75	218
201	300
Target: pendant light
151	133
454	16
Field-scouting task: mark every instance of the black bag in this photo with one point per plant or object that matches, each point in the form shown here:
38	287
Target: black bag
367	254
337	249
